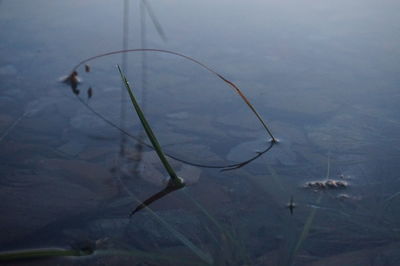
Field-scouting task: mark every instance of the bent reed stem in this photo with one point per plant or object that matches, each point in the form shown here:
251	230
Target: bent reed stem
230	83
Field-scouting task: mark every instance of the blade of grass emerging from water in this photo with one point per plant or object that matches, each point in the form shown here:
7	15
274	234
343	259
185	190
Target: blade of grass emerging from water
148	130
175	182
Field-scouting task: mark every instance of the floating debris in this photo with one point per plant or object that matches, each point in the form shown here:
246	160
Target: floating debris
344	196
345	177
327	184
73	80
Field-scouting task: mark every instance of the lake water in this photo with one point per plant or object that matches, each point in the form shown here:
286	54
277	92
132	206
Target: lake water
323	75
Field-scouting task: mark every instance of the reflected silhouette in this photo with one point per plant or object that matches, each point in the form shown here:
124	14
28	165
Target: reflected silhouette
145	5
291	205
90	92
239	165
172	186
139	146
124	62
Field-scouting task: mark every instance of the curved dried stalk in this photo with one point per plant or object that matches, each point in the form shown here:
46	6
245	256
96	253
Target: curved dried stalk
273	140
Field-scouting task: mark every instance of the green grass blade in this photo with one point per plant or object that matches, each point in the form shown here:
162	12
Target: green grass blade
149	131
41	253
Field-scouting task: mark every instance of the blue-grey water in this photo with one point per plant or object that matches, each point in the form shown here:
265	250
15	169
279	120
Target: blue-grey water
323	75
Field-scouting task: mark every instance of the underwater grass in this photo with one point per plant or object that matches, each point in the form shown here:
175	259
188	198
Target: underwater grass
42	253
184	240
304	233
151	257
46	253
229	238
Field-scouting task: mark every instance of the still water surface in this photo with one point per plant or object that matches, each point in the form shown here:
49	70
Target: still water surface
324	76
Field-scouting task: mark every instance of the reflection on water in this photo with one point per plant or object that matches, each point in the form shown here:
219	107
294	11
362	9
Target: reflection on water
323	75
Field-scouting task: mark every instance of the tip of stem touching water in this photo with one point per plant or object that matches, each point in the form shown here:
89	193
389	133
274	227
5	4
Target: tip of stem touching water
177	182
274	140
174	184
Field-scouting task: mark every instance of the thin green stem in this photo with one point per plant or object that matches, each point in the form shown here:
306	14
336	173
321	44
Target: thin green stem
149	132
